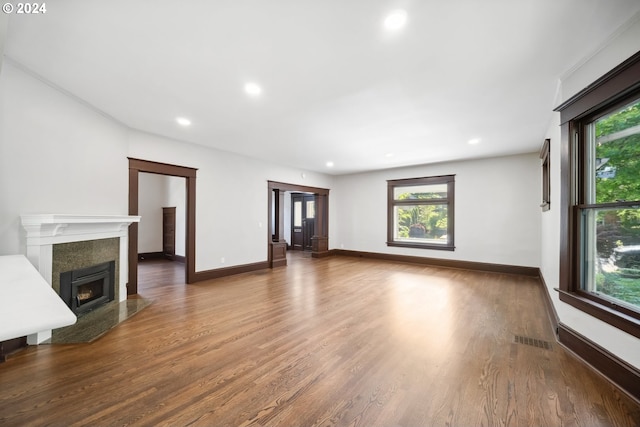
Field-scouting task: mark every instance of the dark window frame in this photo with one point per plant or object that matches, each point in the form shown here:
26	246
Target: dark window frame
545	154
449	201
620	85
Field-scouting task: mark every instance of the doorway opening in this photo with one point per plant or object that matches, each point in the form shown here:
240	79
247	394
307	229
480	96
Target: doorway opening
303	214
162	206
162	230
311	218
136	166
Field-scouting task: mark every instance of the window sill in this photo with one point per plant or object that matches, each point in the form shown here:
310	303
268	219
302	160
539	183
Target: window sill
602	312
421	246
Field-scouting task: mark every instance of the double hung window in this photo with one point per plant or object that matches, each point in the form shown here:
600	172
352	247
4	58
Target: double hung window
607	212
600	199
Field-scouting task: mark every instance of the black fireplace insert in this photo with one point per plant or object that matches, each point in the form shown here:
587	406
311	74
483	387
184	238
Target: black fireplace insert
87	288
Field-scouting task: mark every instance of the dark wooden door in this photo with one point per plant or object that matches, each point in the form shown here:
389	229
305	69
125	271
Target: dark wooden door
303	214
308	228
169	233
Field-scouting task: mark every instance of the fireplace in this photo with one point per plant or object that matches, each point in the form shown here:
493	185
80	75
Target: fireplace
87	288
63	242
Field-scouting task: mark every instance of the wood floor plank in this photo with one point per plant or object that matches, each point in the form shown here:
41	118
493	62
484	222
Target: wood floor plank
338	341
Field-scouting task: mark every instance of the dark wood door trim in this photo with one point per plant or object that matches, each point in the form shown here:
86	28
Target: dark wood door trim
135	167
321	207
282	186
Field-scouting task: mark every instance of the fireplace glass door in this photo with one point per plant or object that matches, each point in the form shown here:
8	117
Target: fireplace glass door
87	288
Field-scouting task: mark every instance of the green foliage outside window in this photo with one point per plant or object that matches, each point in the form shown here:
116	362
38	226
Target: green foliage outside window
422	221
622	154
617	179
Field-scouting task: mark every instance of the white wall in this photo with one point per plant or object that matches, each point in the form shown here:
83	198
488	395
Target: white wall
41	126
625	346
56	156
4	24
151	199
496	210
155	192
231	197
622	45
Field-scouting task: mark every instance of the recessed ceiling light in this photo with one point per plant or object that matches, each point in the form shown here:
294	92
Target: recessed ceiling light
474	141
329	164
252	89
395	20
388	155
183	121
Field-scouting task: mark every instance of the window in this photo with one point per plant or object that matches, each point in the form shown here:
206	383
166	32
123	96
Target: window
600	215
420	212
608	205
311	209
546	180
297	213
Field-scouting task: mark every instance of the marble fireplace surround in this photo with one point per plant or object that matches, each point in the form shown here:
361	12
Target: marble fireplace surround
46	230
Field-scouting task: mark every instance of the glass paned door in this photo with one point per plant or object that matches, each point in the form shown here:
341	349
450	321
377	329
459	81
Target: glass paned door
303	220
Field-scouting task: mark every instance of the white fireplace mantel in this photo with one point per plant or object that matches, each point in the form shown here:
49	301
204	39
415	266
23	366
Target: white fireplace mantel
46	230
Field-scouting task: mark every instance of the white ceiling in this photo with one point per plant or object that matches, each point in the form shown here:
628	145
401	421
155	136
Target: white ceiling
336	86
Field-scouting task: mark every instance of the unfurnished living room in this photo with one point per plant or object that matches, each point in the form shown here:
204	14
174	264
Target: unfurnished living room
320	213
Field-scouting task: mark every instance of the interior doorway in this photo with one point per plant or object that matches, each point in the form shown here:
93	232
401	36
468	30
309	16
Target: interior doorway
162	206
136	166
303	214
317	225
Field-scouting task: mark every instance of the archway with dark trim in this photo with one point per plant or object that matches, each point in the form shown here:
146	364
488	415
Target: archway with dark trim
135	167
276	241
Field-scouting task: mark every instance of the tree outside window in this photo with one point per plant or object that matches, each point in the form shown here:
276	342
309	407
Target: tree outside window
600	198
610	209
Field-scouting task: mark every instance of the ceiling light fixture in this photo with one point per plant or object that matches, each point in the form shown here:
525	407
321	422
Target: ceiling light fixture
474	141
395	20
183	121
329	164
252	89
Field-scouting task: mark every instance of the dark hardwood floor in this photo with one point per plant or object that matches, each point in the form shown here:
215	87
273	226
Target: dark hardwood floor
334	341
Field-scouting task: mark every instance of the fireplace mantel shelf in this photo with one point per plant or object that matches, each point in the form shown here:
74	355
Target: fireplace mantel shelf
62	228
70	218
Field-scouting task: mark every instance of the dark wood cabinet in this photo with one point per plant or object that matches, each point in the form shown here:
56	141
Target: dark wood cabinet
169	232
